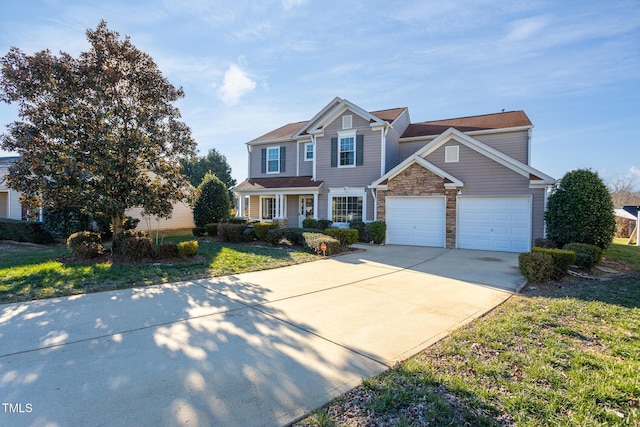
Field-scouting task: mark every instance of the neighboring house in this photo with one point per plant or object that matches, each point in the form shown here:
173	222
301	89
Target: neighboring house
10	206
181	217
456	183
627	221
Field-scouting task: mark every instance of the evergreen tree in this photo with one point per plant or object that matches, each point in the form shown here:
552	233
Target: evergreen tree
212	204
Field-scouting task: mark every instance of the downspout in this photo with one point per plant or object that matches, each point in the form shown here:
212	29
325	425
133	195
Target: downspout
297	158
529	136
374	194
315	155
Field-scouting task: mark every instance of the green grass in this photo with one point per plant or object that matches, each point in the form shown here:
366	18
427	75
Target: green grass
619	250
559	356
28	273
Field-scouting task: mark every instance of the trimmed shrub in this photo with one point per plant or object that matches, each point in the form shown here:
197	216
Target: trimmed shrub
561	259
212	204
85	244
309	223
249	234
377	231
236	220
313	243
273	237
120	238
261	228
24	231
211	229
137	248
323	224
198	231
594	251
581	210
584	260
167	250
188	249
231	233
545	243
346	236
361	226
536	266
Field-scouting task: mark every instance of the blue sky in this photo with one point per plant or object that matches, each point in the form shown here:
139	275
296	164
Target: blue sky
248	67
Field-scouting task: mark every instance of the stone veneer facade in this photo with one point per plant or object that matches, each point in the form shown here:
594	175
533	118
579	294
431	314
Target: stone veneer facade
418	181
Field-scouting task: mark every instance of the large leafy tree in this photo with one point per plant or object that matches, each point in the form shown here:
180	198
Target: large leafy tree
580	210
99	131
214	163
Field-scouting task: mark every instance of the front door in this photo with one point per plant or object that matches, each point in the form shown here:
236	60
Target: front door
306	209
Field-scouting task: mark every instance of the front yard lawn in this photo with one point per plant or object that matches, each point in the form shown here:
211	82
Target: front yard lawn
29	272
564	354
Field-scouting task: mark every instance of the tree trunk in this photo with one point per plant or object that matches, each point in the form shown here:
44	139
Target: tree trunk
117	223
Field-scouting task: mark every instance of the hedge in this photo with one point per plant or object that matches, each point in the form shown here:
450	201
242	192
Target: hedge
232	233
594	251
309	223
167	250
137	248
346	236
323	224
313	243
561	259
261	229
24	231
536	266
361	226
211	229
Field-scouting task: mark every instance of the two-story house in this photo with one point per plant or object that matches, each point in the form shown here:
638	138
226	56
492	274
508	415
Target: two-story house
457	183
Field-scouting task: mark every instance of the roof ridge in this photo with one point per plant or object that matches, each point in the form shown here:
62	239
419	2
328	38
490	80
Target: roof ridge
471	116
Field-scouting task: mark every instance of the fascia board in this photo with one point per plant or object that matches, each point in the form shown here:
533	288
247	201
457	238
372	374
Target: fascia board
329	106
455	182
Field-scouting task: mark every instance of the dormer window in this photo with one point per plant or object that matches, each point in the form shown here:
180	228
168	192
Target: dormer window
452	154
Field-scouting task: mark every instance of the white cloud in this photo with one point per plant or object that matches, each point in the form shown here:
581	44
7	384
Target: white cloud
290	4
525	28
236	84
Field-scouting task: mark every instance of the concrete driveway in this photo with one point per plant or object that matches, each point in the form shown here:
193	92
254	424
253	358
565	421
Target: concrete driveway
256	349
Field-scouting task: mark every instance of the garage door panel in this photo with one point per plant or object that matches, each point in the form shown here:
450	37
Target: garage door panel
415	221
494	223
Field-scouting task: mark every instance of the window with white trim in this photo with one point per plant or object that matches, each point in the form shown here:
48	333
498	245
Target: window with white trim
347	151
345	209
273	159
308	151
452	154
268	207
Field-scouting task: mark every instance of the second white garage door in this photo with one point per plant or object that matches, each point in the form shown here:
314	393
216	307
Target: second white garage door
415	221
494	223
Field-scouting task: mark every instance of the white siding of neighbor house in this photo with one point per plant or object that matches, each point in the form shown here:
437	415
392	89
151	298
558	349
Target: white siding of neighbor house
10	206
255	160
483	177
392	149
182	217
358	176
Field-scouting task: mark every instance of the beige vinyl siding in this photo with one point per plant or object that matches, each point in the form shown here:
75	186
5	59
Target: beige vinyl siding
255	160
254	207
513	144
4	204
182	217
10	206
392	145
485	177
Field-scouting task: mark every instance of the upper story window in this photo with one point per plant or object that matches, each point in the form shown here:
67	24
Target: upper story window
308	151
273	160
347	152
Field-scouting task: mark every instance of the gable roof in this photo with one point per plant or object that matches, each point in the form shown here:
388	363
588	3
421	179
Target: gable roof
509	119
632	210
292	131
536	178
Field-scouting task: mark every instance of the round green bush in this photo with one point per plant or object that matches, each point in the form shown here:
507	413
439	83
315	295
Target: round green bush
167	250
212	204
536	267
378	231
188	249
309	223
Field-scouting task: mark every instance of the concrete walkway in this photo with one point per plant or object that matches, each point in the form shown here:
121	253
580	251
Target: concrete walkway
256	349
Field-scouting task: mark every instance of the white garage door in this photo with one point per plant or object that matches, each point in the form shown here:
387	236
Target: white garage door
494	223
415	221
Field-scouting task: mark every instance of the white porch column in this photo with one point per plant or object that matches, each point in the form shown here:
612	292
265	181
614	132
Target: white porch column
315	205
